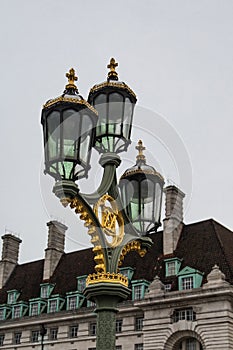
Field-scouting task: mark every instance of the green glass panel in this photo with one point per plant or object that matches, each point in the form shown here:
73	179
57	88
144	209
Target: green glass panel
115	107
53	124
68	169
71	133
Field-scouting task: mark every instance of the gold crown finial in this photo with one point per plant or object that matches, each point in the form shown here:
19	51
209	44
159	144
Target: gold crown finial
140	148
112	66
71	79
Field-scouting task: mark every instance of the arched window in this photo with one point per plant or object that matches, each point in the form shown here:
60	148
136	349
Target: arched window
188	344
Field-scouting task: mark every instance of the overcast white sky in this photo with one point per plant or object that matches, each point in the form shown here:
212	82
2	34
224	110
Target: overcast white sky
178	58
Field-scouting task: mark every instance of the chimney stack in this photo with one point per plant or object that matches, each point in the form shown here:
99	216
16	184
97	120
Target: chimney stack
55	248
10	253
173	222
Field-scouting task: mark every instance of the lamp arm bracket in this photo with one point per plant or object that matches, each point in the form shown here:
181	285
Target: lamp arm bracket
68	193
129	243
109	161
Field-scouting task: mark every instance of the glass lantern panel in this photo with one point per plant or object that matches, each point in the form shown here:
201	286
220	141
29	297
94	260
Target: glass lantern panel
128	113
115	117
147	189
158	196
54	143
115	107
84	148
147	211
100	103
86	132
71	133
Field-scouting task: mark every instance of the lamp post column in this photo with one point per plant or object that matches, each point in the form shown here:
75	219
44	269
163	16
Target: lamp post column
106	295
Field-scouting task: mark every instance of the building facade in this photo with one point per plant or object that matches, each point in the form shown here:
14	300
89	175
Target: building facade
182	291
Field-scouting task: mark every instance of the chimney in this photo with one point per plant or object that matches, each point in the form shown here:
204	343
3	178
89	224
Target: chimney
55	248
10	253
173	222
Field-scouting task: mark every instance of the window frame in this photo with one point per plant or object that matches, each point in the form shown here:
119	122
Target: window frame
16	311
138	346
17	337
187	282
139	288
52	305
187	314
138	324
35	336
92	328
73	331
2	338
53	332
119	325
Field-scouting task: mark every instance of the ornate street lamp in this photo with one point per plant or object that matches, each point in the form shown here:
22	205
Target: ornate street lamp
72	126
69	129
141	188
115	102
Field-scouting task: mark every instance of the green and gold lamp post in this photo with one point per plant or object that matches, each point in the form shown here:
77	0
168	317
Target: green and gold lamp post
118	218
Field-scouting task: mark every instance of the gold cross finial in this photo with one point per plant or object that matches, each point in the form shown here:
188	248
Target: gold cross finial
140	148
71	79
112	66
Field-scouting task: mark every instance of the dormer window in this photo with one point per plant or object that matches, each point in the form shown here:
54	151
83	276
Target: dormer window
45	290
74	300
55	303
12	296
139	288
127	272
19	310
81	283
37	306
187	282
172	266
4	312
189	278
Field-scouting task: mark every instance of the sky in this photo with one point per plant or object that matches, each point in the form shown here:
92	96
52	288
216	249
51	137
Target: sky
178	58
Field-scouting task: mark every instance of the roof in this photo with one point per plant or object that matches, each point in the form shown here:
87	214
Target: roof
210	243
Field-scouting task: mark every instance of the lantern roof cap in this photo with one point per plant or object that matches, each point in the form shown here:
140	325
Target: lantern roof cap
112	81
141	167
70	94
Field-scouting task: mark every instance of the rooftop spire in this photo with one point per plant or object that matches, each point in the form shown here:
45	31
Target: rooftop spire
140	157
112	75
71	79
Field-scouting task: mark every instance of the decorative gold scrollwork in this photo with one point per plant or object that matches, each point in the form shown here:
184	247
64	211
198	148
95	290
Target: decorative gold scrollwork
133	245
110	219
79	209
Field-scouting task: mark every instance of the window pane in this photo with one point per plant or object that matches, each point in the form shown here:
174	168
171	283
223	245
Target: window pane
74	331
17	337
2	314
187	283
72	302
34	309
44	292
16	311
171	268
35	336
119	326
93	328
138	323
137	292
2	337
52	305
53	333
